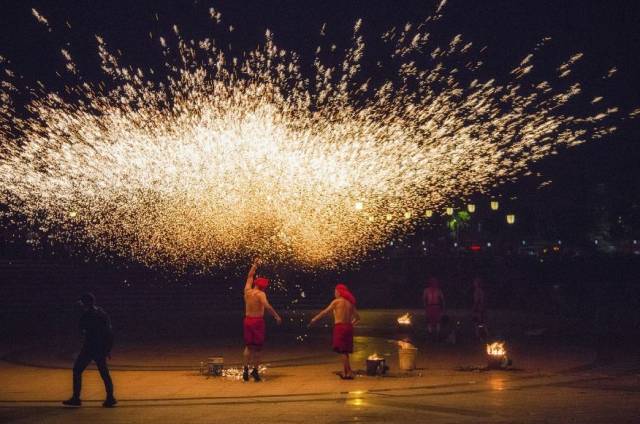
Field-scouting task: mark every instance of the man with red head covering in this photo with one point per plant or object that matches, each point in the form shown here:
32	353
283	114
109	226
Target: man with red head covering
345	316
433	305
256	302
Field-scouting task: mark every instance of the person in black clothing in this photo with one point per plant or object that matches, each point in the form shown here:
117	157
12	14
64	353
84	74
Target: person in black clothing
95	326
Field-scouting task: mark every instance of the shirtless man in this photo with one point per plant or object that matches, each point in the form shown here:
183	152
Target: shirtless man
256	302
433	305
345	316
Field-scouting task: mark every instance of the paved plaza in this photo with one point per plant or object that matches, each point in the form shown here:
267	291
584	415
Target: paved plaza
550	382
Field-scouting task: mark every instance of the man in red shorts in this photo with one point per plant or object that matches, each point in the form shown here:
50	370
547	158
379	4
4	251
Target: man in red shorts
345	317
256	302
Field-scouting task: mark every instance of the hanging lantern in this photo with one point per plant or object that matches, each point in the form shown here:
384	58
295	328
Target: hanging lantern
449	211
471	208
359	206
407	215
428	213
389	217
511	219
494	205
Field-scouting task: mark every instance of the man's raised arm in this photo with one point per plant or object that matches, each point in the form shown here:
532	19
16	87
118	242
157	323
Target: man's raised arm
251	275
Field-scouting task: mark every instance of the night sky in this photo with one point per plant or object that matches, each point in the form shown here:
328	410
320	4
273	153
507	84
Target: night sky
607	32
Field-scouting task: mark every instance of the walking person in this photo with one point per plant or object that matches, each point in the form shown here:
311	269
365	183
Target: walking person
256	302
95	327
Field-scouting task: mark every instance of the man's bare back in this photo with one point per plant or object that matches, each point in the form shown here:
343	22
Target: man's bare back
343	311
254	301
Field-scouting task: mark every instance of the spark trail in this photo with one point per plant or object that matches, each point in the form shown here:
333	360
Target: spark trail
216	157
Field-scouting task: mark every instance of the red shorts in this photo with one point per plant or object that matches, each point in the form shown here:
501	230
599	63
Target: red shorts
343	338
254	332
434	314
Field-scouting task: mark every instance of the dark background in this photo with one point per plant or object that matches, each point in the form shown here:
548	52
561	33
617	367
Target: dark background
599	174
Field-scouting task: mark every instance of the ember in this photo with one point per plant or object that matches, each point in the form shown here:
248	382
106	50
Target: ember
236	373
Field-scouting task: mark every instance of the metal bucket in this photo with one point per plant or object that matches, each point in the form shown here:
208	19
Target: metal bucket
215	366
376	366
407	358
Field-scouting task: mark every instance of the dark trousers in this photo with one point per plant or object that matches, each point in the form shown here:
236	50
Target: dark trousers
82	361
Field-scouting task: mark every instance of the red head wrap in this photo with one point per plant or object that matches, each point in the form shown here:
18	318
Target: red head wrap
344	292
261	283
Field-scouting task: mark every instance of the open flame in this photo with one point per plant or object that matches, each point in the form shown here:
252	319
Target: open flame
405	345
496	349
375	357
404	319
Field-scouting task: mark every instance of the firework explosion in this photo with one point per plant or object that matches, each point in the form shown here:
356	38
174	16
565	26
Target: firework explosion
216	158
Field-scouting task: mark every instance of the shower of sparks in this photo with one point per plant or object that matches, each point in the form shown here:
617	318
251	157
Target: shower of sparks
228	157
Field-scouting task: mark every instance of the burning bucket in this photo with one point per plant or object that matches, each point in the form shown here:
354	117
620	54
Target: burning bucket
497	356
407	354
376	365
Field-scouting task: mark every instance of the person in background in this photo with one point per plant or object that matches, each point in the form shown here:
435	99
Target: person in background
95	326
479	310
345	316
256	302
433	300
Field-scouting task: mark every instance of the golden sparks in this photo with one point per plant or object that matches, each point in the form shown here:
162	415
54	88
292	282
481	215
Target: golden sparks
229	157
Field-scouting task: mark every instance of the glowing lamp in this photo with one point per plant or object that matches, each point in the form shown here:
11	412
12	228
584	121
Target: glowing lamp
407	215
389	217
428	213
495	205
372	218
471	208
449	211
73	214
359	206
511	219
